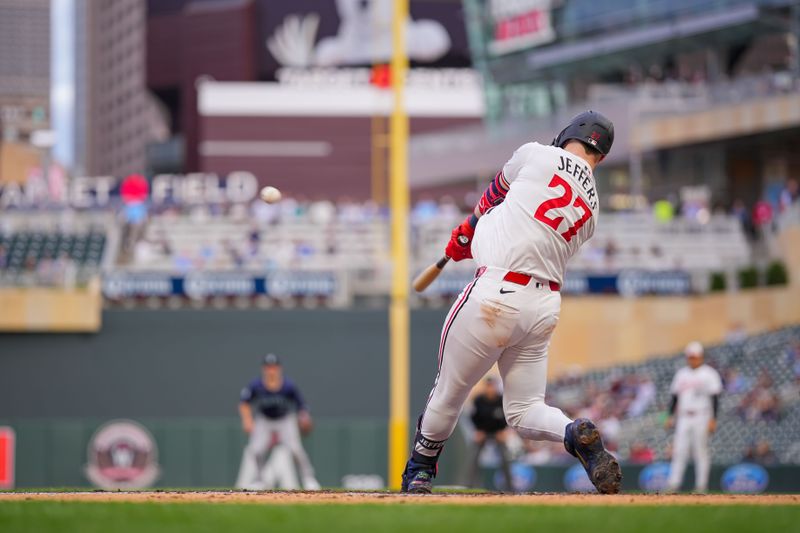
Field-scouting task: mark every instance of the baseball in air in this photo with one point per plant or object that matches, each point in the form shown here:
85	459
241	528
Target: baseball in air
270	195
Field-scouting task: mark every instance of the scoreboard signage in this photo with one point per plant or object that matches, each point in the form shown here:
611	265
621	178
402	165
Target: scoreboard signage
519	24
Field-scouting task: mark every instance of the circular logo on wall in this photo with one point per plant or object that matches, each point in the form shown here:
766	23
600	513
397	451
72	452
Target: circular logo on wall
122	454
745	478
576	480
654	477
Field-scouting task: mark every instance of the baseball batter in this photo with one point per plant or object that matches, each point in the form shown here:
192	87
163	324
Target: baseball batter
273	412
695	401
535	215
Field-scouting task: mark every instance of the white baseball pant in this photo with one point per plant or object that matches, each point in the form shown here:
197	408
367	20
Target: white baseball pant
265	433
495	321
691	431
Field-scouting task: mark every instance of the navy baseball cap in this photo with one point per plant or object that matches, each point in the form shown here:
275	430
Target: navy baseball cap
271	359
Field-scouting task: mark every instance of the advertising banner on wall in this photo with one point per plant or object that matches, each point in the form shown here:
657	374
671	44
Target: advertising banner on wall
519	24
199	285
98	192
628	282
310	33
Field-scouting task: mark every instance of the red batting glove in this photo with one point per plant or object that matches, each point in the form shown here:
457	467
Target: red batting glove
460	243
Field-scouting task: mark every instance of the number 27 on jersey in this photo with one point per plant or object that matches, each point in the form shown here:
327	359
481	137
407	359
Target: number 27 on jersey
556	204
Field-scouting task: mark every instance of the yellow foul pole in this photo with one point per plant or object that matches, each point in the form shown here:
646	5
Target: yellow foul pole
398	203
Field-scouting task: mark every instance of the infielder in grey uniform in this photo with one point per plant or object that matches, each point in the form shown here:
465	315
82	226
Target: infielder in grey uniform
273	412
695	400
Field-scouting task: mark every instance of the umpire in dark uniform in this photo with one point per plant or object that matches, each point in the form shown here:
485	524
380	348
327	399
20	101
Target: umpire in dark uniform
490	425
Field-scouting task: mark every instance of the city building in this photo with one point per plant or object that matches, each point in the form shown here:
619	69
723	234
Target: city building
103	116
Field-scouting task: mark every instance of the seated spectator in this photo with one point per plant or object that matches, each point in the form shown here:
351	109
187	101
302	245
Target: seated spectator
254	238
735	382
760	453
448	208
27	277
143	252
645	395
761	403
736	334
641	454
183	262
322	212
424	210
544	453
65	271
792	356
236	257
611	252
205	255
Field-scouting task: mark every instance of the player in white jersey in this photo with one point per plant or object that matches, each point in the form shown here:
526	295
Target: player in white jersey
695	400
534	216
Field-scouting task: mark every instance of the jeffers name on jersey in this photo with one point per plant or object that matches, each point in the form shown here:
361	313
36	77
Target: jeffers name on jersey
583	176
550	210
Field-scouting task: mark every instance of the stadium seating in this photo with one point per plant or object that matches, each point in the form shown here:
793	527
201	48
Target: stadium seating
621	241
46	249
763	355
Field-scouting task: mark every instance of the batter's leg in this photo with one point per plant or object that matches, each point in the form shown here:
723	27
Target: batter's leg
680	453
253	455
468	350
474	335
290	436
524	372
702	457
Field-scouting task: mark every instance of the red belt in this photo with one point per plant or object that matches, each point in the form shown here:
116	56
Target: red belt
523	279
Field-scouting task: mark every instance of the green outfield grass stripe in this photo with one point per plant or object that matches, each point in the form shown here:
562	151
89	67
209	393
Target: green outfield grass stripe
85	517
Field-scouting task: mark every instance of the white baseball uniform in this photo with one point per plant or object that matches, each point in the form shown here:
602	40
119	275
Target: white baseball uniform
501	317
694	389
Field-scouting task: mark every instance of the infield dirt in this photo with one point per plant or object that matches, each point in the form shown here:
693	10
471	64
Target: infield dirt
333	497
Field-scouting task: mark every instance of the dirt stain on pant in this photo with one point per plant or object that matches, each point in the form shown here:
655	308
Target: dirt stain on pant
499	318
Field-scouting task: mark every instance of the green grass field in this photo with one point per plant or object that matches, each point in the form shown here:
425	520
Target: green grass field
55	516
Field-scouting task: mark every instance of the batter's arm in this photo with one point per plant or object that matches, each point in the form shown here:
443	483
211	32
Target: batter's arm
460	243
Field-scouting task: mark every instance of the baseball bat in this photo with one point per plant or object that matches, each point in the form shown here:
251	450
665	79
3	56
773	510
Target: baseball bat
427	276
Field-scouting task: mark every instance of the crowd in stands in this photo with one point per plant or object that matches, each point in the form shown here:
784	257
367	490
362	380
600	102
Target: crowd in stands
760	405
52	251
298	233
303	234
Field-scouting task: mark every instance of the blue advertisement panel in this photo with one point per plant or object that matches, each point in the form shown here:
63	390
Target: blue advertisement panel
629	282
205	284
745	478
654	477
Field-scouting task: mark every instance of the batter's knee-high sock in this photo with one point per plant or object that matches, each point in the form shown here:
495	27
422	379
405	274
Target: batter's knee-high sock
426	451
